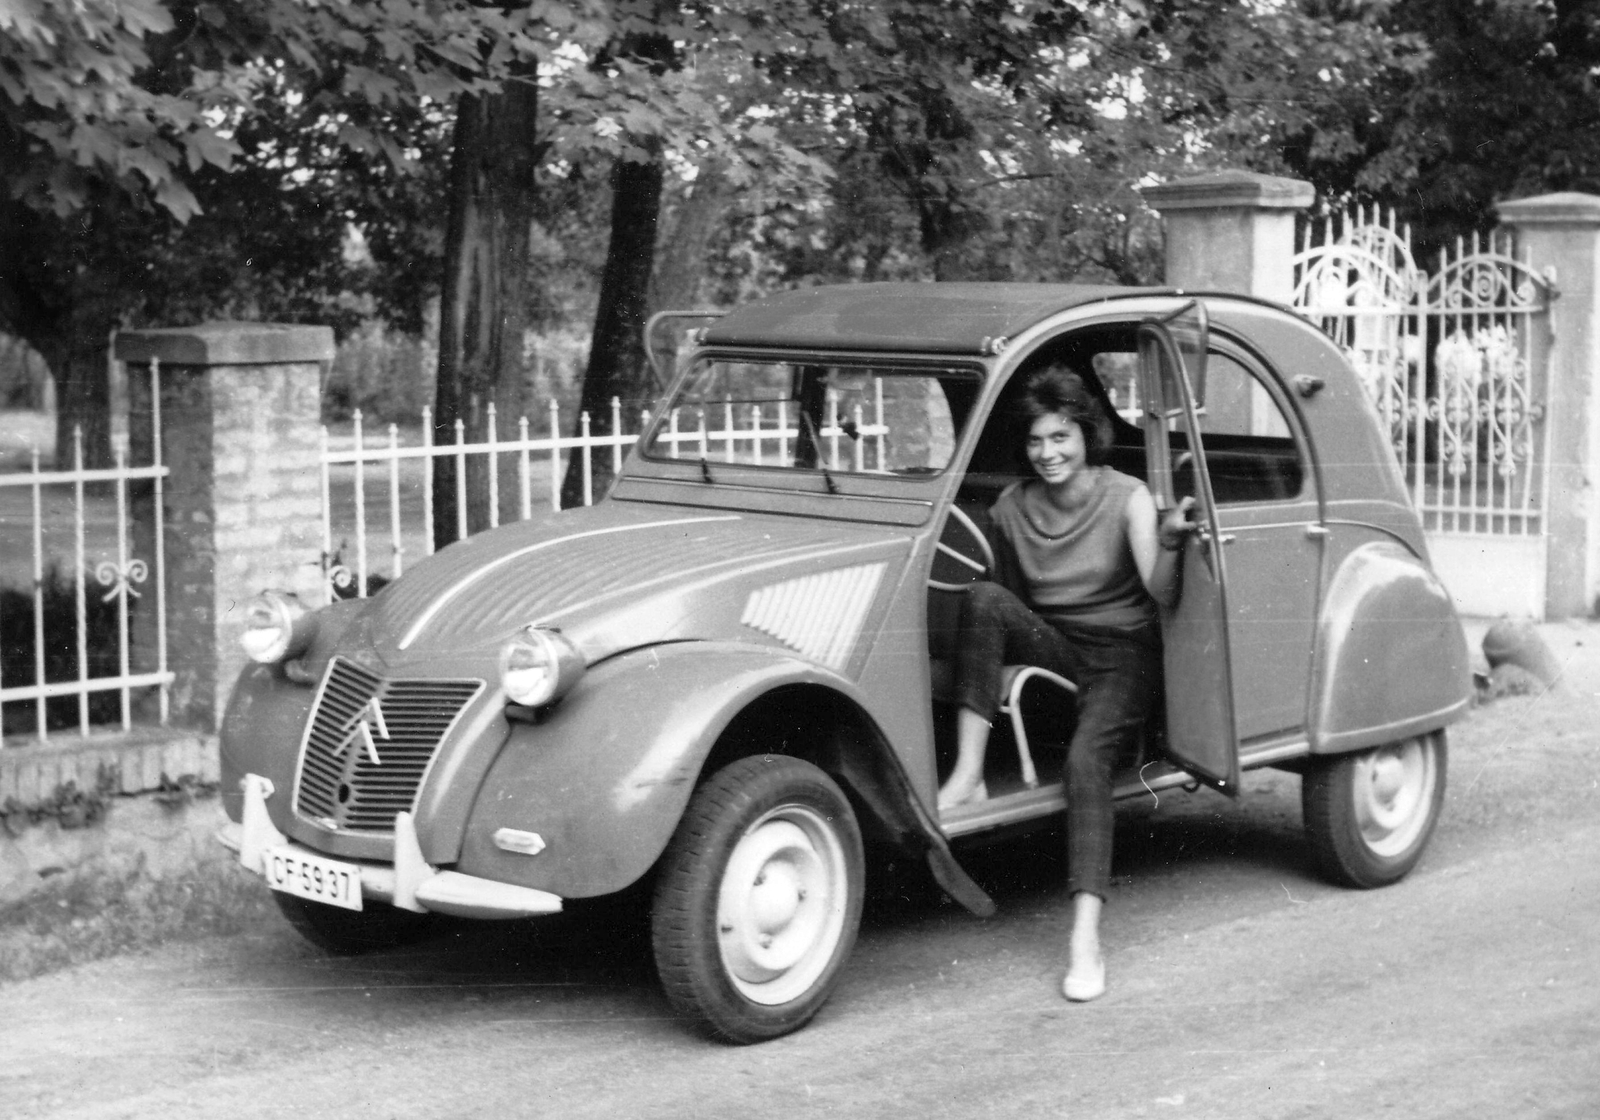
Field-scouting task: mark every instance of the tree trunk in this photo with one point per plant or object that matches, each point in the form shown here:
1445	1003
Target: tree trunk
686	231
617	366
947	227
484	304
82	375
681	268
65	309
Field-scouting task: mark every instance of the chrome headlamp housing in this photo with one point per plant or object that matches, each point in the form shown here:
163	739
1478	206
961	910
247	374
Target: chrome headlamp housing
277	627
539	665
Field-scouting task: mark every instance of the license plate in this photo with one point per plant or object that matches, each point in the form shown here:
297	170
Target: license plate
312	877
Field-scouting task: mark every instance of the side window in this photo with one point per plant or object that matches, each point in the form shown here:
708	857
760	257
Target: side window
1106	357
1118	371
1250	449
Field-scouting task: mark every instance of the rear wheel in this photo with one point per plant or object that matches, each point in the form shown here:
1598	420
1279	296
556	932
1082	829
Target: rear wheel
1368	815
758	898
348	932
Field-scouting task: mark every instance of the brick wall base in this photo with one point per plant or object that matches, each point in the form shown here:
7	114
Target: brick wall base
137	829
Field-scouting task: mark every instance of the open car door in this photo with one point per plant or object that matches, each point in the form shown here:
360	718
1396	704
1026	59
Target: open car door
1201	730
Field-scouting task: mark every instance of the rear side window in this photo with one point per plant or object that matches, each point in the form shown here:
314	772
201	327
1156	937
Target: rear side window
1250	448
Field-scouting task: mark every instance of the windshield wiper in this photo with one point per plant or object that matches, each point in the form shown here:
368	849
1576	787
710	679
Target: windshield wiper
827	477
705	470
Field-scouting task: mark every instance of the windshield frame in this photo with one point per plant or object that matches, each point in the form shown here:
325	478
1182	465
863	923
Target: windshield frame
970	371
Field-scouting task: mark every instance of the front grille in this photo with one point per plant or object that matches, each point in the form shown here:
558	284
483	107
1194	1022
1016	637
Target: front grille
352	775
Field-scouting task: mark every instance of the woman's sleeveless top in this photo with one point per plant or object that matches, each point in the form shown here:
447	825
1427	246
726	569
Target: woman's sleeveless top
1084	574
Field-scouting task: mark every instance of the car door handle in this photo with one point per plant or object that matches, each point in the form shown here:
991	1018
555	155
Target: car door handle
1315	531
1204	534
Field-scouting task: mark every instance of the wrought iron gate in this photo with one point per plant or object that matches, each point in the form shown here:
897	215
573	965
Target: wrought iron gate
1456	363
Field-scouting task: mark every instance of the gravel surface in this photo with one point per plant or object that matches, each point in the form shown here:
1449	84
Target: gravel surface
1241	985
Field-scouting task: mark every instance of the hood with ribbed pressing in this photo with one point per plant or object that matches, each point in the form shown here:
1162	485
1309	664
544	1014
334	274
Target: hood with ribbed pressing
620	575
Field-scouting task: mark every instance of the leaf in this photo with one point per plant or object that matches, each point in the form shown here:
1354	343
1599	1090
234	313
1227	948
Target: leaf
178	200
205	146
23	20
143	17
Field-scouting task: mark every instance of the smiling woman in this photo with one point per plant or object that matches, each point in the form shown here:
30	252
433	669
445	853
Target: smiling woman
1079	573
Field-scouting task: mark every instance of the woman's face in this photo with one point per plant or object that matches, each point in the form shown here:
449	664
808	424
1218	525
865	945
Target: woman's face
1056	448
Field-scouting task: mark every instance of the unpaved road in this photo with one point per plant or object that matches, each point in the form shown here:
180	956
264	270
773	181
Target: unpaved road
1241	986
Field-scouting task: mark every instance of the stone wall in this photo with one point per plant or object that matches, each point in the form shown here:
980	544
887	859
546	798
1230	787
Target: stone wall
161	835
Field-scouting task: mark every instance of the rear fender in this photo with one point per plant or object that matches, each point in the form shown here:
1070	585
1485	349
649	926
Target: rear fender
1391	659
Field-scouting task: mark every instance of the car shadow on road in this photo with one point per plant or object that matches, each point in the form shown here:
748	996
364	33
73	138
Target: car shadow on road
593	962
1187	835
589	964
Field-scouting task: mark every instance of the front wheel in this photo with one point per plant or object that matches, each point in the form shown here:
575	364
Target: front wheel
1369	815
758	898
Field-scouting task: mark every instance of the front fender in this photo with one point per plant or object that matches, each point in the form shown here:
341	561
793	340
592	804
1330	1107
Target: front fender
1391	657
266	716
604	778
261	731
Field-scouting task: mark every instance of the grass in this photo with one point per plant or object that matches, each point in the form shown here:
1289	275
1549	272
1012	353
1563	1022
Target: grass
20	432
93	915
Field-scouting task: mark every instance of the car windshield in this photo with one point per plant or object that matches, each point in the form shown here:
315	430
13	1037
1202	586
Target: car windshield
812	416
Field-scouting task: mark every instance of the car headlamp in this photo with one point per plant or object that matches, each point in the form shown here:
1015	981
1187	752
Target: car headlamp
277	627
539	665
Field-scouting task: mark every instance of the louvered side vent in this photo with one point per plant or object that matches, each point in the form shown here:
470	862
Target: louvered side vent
819	615
370	743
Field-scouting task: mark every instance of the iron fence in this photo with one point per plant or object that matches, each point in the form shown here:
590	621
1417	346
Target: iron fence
408	523
403	474
104	576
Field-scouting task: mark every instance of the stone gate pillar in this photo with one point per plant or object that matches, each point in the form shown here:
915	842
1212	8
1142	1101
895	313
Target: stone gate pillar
1232	231
239	421
1560	235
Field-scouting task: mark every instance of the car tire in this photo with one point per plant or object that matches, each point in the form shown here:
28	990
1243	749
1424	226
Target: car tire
1368	815
758	898
350	932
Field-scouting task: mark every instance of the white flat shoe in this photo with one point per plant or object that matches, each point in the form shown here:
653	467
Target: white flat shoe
973	796
1085	980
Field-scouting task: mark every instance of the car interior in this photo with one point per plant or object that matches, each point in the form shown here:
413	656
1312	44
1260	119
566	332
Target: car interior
1251	456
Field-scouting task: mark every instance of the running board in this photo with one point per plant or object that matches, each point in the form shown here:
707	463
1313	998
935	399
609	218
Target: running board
1051	797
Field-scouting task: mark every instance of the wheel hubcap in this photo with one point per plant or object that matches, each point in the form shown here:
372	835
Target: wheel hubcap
1394	793
780	909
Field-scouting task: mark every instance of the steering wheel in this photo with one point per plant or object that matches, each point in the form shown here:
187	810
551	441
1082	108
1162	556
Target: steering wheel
962	556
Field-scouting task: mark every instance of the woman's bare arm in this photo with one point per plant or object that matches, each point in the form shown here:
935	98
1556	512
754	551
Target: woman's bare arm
1157	543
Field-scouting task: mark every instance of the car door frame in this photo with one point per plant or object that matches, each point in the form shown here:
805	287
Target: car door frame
1304	529
1201	730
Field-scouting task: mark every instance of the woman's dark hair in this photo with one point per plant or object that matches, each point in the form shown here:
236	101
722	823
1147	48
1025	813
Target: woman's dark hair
1057	388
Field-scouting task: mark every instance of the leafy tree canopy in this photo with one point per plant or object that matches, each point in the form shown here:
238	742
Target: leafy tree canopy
1507	105
983	139
836	138
134	93
120	118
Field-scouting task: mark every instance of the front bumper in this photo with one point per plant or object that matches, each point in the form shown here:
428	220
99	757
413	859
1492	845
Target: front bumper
409	882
